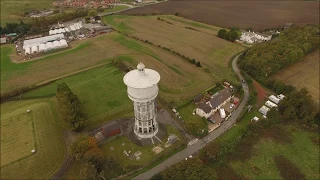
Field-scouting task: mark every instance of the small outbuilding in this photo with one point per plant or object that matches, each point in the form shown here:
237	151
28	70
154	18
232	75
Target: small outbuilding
264	110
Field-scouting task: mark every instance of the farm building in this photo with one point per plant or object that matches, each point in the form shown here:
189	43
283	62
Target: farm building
270	104
43	44
252	37
214	103
264	110
274	99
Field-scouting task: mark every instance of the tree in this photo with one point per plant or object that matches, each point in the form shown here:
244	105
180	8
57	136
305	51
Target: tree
70	108
88	171
92	13
193	61
222	33
198	64
232	35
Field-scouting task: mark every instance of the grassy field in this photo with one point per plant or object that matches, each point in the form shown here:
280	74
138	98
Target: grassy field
214	53
22	132
303	74
13	10
302	152
100	90
175	72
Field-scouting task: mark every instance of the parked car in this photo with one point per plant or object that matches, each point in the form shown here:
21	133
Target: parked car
231	106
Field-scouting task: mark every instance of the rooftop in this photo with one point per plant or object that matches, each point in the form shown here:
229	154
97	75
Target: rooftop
40	40
142	77
220	98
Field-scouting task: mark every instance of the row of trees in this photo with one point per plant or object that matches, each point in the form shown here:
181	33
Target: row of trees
70	108
267	58
18	28
38	24
231	35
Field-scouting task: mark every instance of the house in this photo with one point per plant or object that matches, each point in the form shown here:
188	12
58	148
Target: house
215	121
204	110
252	37
281	96
264	110
256	119
215	103
198	98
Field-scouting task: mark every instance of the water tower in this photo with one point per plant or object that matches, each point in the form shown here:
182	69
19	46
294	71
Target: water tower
142	88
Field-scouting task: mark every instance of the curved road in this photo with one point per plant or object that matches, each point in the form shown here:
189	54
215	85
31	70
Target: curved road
226	125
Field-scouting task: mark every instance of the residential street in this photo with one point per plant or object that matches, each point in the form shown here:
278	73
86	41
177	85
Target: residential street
226	125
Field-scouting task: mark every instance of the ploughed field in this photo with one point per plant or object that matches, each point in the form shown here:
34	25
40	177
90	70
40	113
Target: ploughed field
303	74
22	132
191	39
243	14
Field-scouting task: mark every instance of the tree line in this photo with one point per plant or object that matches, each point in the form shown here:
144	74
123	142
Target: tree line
38	24
265	59
231	35
18	28
70	108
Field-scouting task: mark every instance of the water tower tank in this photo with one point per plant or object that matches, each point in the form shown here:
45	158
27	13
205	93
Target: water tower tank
142	89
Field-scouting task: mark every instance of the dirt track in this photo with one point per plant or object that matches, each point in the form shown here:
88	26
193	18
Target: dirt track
256	14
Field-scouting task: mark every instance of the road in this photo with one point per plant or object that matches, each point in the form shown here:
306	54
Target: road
202	142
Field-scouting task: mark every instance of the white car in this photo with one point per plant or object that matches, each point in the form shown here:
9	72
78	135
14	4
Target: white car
232	105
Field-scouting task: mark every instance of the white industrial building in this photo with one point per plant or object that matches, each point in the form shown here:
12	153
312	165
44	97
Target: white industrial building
44	44
73	27
252	37
142	88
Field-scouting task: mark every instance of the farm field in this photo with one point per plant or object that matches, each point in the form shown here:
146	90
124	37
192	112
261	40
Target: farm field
303	74
302	151
22	132
100	90
214	53
243	14
13	10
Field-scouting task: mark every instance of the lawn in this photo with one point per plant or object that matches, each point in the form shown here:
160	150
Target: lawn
194	123
302	152
13	10
303	74
100	90
22	132
203	45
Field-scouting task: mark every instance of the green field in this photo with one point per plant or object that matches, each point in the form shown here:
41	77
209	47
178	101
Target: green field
302	152
13	10
22	132
101	91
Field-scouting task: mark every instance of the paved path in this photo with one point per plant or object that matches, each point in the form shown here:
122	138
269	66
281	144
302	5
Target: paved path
210	137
